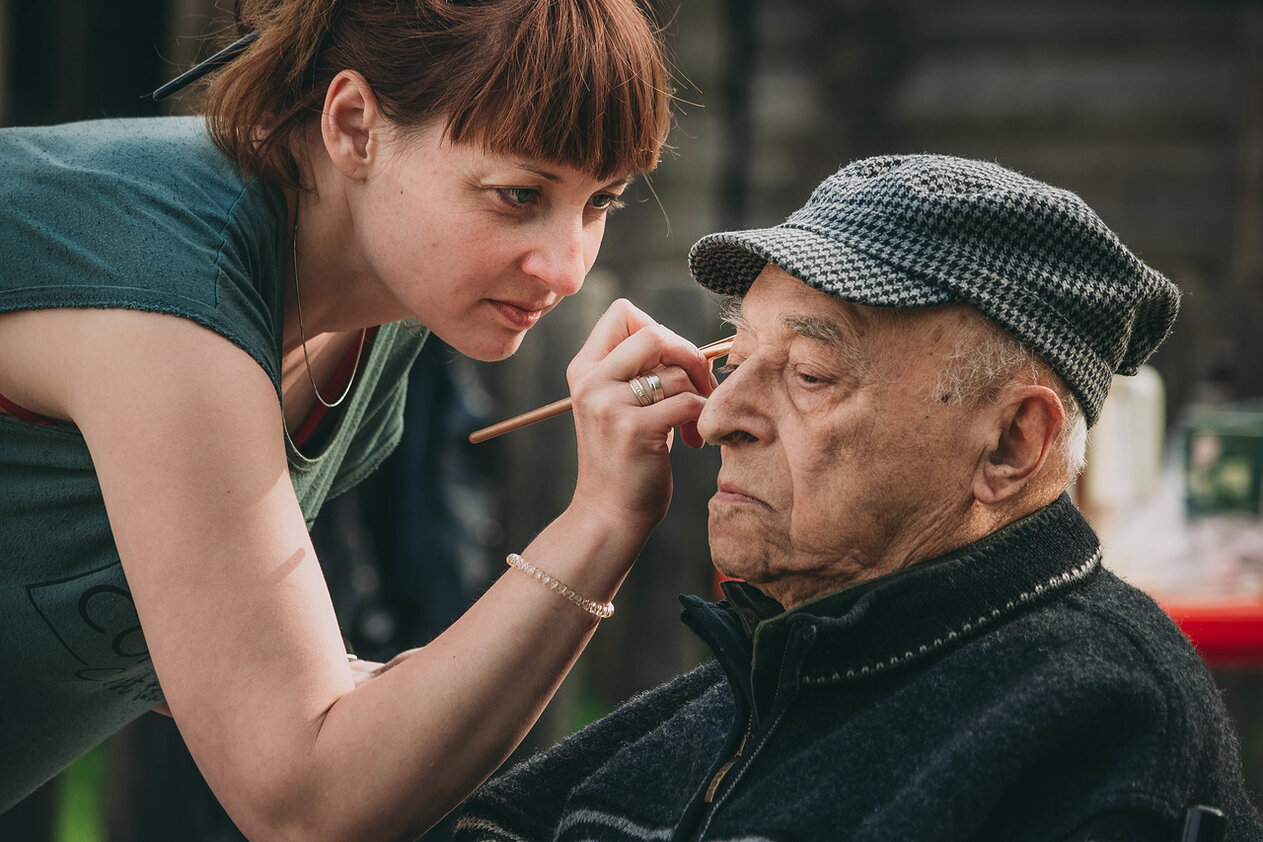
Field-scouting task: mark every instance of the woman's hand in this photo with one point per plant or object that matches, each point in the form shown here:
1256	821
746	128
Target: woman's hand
364	671
624	448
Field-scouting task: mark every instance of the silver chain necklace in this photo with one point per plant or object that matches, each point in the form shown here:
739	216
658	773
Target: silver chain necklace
302	335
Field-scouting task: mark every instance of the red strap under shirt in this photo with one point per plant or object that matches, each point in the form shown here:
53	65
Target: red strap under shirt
346	370
8	407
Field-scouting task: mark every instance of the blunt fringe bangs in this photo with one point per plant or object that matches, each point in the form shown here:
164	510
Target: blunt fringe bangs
582	83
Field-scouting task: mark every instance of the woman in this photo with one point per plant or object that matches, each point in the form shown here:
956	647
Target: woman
200	343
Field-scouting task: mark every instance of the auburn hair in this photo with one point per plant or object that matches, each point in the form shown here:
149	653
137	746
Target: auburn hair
578	82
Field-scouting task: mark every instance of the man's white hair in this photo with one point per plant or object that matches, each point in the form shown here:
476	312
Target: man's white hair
988	359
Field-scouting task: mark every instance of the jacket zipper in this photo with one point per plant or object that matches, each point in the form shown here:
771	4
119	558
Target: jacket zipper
727	767
724	769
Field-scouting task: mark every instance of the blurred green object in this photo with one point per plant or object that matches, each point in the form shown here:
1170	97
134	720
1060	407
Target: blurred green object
1223	467
81	799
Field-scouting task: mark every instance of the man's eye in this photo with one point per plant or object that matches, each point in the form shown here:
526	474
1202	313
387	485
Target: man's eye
808	378
518	196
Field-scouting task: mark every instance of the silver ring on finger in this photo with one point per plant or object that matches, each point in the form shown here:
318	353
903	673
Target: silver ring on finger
638	389
654	384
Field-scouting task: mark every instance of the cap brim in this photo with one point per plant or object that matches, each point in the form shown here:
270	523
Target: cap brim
728	263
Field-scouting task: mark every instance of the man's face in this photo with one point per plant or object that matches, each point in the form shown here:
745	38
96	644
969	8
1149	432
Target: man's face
838	462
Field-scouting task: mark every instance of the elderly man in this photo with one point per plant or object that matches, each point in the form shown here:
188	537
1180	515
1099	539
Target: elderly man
925	644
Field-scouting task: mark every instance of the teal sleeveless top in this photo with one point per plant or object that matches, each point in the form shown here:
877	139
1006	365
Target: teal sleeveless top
143	214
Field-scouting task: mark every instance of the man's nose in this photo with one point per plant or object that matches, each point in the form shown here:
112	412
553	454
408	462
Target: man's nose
729	417
559	259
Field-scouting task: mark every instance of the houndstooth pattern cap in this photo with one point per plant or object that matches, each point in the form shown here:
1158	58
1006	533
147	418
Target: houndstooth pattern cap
922	230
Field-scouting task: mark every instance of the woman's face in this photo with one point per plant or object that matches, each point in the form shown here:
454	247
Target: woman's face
476	245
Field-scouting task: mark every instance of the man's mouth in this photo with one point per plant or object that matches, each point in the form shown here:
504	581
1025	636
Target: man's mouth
730	492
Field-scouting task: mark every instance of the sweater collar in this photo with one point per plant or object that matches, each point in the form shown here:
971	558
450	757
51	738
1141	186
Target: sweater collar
897	619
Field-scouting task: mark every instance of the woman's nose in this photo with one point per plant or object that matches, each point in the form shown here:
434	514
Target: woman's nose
561	260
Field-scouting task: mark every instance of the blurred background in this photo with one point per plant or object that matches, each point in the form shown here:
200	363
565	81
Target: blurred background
1152	110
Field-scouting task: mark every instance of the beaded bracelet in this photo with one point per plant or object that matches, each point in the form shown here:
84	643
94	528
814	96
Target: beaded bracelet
600	610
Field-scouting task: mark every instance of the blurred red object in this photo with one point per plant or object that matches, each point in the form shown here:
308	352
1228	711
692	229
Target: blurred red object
1227	634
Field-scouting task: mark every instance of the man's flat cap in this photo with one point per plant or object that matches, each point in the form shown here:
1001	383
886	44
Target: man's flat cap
923	230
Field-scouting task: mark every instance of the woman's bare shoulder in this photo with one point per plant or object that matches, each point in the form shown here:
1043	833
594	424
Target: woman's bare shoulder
74	364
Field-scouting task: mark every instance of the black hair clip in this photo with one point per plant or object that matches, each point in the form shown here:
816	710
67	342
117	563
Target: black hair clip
197	71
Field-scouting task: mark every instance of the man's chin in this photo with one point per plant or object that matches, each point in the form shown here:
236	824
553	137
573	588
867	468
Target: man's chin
733	560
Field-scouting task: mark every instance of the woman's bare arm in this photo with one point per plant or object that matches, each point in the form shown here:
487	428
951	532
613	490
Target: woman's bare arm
184	431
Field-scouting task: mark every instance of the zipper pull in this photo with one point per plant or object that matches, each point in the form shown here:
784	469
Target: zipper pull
724	769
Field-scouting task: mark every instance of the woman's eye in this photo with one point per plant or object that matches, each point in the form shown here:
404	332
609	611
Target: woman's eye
606	202
518	196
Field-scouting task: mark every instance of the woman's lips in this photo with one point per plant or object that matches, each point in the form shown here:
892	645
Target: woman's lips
521	316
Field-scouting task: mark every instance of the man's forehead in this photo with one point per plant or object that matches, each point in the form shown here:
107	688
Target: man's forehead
781	302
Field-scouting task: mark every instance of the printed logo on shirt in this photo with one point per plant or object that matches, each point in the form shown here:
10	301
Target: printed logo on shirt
94	617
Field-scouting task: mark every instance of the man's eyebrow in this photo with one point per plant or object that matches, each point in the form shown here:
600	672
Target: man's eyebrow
815	327
730	313
840	336
808	325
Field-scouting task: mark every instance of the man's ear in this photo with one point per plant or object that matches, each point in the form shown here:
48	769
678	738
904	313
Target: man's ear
351	124
1028	419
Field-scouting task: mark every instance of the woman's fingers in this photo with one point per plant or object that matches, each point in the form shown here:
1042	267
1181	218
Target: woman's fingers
363	671
620	320
690	436
640	402
675	411
626	342
654	347
669	381
633	382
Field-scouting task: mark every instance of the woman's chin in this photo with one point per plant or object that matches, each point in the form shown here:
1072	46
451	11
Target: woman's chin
487	349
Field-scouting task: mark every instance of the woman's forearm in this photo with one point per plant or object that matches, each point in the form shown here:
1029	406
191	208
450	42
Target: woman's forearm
395	755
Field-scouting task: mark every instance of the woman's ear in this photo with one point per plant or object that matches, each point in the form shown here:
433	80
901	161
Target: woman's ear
1028	419
351	124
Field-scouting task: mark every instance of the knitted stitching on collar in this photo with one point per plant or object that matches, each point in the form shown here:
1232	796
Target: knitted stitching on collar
969	627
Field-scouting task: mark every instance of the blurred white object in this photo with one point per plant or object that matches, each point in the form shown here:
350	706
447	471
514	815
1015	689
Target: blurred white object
1134	493
1125	448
